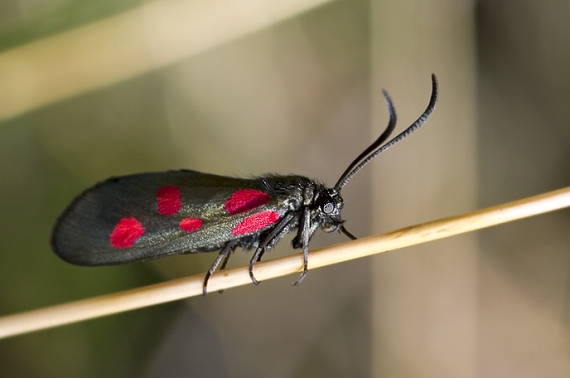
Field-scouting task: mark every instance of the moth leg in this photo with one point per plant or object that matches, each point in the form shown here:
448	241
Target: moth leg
222	258
225	261
267	241
345	231
256	256
304	235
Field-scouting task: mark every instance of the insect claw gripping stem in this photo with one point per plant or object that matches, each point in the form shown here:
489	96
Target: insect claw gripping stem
251	275
305	236
223	258
305	268
268	241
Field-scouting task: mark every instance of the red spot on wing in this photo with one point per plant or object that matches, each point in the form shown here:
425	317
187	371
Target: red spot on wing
246	199
126	232
256	222
168	199
190	224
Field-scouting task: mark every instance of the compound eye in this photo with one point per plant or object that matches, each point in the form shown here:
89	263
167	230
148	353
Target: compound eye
328	207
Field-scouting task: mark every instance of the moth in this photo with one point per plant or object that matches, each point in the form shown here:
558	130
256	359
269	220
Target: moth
145	216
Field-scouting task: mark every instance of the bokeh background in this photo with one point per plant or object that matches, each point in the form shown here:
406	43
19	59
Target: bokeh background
90	90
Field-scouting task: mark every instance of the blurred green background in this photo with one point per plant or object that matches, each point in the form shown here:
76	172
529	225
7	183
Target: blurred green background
297	96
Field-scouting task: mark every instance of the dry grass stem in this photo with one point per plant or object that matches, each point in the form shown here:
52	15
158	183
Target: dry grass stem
192	286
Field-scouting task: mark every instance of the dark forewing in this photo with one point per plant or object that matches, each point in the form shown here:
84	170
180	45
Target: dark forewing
144	216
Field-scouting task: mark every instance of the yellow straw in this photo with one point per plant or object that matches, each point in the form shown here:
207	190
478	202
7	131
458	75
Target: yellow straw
192	286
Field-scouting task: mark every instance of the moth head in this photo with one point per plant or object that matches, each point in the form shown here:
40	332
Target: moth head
328	207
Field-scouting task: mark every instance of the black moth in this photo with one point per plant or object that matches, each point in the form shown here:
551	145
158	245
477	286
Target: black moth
145	216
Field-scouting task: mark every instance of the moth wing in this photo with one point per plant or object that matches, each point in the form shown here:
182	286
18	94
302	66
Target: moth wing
145	216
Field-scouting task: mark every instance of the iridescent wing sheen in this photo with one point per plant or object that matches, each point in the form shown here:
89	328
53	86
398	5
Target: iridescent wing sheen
145	216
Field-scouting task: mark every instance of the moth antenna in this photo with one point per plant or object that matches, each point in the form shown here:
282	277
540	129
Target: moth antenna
370	153
381	139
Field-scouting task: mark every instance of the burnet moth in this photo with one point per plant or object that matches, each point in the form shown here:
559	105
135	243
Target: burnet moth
149	215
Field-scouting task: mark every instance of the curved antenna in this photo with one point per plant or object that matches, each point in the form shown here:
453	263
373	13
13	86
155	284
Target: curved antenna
369	154
381	139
